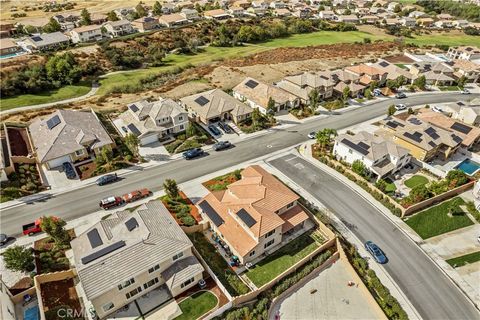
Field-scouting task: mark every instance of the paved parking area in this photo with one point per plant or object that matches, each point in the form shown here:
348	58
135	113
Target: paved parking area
154	152
334	299
456	243
56	178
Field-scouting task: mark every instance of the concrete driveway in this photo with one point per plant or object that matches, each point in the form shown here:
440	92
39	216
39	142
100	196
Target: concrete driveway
334	299
456	243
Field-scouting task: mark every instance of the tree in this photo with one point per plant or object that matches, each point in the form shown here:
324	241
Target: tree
461	81
105	157
18	258
346	93
256	117
171	189
325	136
410	111
85	19
191	130
420	82
368	94
373	85
392	84
391	110
63	69
157	8
401	80
55	228
419	193
397	8
112	16
367	40
141	12
456	178
132	142
381	185
52	26
359	168
314	99
271	108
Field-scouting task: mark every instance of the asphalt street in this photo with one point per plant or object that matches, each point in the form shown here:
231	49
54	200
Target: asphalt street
79	202
428	289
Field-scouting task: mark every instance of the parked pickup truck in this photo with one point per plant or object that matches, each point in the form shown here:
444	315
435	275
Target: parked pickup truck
32	228
136	195
110	202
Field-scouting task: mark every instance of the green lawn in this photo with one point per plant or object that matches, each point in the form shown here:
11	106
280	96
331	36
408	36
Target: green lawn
282	259
196	305
219	266
444	39
415	181
435	220
463	260
449	88
66	92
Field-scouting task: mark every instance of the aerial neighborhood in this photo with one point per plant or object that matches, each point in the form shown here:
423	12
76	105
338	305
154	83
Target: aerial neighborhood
240	160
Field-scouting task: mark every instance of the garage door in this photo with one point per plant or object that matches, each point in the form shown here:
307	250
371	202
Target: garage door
58	162
149	139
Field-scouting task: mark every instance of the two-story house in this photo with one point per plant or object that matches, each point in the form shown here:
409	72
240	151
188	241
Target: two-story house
381	157
464	53
68	136
257	94
119	28
435	73
151	121
216	105
129	254
367	74
145	24
255	214
424	141
303	84
190	14
86	34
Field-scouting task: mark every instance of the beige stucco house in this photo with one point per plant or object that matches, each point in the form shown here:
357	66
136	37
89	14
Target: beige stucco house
126	256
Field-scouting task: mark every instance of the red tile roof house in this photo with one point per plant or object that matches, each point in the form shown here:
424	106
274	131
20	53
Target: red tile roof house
255	214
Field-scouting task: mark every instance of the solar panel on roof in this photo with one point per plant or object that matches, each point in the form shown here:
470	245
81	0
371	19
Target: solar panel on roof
363	145
246	218
53	122
94	238
433	144
384	64
133	107
355	147
415	137
133	129
202	100
251	84
432	133
392	124
131	224
104	251
460	127
211	213
456	138
37	38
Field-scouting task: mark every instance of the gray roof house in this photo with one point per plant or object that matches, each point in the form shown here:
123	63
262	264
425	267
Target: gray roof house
214	105
151	121
68	136
381	156
302	84
121	258
47	41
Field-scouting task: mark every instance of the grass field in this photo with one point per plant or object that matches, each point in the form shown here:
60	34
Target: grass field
66	92
463	260
282	259
445	39
196	305
415	181
435	220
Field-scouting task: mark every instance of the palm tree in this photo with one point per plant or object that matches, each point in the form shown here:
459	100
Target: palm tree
325	136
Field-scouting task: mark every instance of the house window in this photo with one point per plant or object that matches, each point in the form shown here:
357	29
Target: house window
180	118
150	283
177	256
269	233
251	253
79	152
186	283
182	127
154	268
133	292
290	205
350	151
108	306
126	284
268	244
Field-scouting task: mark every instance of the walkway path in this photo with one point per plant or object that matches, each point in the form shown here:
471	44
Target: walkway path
92	92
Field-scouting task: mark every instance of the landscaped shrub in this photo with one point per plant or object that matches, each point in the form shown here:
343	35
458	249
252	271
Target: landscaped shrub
188	221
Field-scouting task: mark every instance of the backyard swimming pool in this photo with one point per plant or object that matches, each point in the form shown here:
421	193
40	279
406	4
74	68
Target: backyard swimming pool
31	313
469	167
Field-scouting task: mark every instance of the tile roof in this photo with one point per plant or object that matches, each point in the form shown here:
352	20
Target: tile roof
260	194
155	238
361	69
75	130
46	39
261	93
86	28
217	103
170	18
181	271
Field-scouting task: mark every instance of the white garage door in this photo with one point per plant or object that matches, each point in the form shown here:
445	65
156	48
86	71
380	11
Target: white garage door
58	162
149	139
